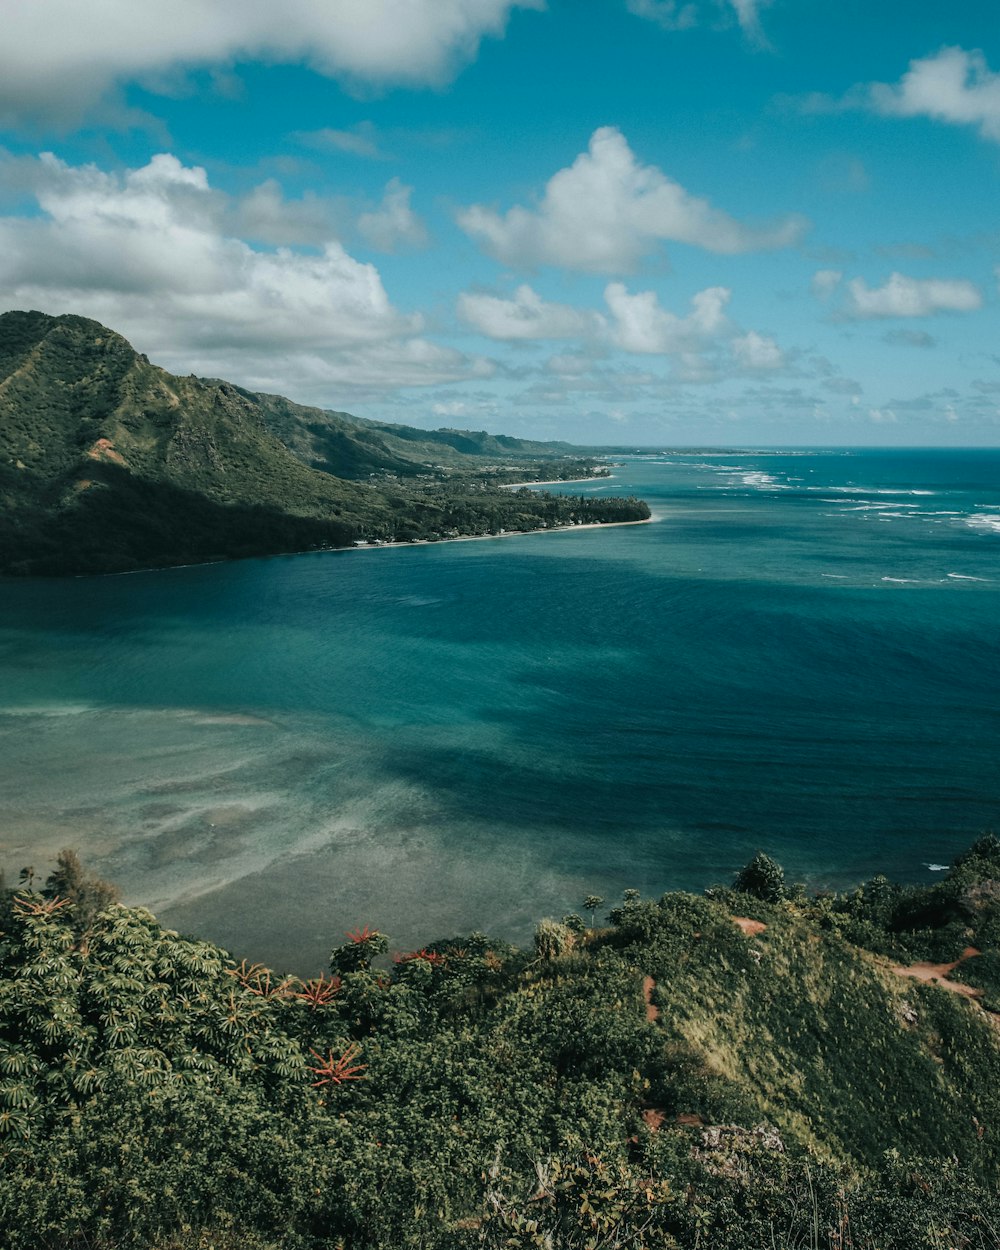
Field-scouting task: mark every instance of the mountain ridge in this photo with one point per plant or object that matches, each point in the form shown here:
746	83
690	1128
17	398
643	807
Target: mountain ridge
109	463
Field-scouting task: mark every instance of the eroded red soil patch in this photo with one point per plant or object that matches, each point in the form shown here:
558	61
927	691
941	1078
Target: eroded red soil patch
750	927
104	449
652	1011
938	973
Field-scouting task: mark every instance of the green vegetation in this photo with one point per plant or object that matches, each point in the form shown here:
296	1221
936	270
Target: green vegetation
108	463
674	1080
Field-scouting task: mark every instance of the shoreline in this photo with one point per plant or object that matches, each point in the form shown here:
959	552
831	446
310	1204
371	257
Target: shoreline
558	481
419	542
472	538
381	546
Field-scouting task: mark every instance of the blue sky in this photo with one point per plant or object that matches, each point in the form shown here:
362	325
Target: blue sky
681	222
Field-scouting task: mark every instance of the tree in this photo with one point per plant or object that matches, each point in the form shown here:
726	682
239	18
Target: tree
763	877
357	953
553	939
591	904
89	893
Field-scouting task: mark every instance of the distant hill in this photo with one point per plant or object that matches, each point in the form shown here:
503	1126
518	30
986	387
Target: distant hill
354	447
110	463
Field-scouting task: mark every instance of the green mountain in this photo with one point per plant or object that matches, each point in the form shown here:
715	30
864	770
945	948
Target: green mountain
354	447
109	463
746	1070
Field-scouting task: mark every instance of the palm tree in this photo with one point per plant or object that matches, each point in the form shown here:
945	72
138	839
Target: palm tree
591	904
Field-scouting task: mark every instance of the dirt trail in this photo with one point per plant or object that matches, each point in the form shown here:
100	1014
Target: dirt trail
750	927
938	973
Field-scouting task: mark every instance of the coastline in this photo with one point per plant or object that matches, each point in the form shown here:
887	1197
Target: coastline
381	546
558	481
475	538
419	542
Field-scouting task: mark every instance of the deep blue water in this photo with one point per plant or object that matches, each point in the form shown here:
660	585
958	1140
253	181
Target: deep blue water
799	655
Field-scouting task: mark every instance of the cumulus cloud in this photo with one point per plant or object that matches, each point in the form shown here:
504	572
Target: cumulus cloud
393	225
606	211
641	325
633	323
58	56
147	252
901	296
758	351
266	215
703	343
954	86
526	317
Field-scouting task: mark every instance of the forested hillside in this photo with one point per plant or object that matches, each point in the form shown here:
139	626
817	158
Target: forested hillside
752	1068
108	463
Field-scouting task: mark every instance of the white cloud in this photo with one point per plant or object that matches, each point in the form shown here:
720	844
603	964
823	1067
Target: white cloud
526	317
684	14
394	224
758	351
58	56
605	211
670	14
267	216
641	325
635	323
901	296
702	345
954	86
748	16
362	140
148	254
825	282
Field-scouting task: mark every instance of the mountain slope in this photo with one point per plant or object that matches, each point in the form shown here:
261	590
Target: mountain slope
109	463
350	446
730	1072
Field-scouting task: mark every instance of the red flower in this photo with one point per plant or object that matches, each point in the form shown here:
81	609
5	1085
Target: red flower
44	907
335	1071
257	980
319	992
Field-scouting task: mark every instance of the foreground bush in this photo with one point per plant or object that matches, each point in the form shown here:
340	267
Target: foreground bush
673	1081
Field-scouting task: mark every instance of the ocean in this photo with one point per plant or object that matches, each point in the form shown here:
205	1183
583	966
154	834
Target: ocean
798	655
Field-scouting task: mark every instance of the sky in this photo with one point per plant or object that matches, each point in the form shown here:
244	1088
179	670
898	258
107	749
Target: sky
628	222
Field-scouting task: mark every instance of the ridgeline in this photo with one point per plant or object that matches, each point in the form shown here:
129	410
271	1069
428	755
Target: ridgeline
108	464
752	1068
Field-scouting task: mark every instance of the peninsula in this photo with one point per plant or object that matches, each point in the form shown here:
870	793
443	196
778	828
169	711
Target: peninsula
109	464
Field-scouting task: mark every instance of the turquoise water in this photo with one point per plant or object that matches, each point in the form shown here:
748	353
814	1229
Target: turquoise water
798	655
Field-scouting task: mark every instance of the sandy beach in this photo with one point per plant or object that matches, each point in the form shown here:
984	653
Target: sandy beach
475	538
558	481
